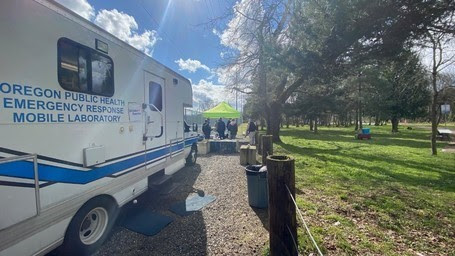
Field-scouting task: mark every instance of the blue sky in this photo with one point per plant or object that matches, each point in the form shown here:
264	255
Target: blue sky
181	37
174	32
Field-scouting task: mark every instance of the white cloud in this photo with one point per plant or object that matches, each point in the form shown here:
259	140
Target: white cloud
191	65
81	7
206	94
240	31
125	28
216	32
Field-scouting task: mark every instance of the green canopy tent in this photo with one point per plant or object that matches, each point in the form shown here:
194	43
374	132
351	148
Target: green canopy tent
222	110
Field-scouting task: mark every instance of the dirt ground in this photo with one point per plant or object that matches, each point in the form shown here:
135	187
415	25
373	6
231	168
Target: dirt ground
227	226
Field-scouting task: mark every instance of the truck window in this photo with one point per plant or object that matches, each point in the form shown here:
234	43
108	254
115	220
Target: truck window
155	96
102	79
82	69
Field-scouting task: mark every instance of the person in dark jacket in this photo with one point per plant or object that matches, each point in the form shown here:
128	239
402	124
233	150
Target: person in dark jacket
228	128
233	129
251	132
206	129
221	128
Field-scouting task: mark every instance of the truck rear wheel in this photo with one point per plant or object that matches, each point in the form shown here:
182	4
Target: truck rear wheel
90	227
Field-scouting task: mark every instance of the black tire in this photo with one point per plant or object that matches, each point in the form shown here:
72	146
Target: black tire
192	157
73	243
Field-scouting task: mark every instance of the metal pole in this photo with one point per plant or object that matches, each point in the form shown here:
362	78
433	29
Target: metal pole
37	196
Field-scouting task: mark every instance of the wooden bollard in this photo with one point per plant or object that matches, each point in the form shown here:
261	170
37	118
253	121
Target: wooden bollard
244	155
251	155
259	143
282	218
256	138
266	147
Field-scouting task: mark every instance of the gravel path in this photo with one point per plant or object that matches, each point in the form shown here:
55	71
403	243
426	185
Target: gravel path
227	226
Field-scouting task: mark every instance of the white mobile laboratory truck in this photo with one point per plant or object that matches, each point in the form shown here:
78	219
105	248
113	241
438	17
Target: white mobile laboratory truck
86	123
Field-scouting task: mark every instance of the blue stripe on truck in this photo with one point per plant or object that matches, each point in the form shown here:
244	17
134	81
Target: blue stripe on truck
24	169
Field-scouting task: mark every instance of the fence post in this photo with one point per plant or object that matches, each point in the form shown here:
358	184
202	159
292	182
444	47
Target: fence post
259	143
282	211
266	147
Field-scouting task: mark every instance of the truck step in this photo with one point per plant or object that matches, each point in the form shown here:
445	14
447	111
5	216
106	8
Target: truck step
169	188
159	180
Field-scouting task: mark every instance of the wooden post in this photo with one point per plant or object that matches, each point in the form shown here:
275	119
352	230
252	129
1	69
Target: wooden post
259	143
282	218
244	155
251	155
266	147
256	138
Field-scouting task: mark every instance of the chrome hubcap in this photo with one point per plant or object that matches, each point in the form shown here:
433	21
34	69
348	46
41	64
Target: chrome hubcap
93	225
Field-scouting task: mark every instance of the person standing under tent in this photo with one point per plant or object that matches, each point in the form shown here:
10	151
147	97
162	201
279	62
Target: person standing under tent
251	131
206	129
228	128
233	129
221	128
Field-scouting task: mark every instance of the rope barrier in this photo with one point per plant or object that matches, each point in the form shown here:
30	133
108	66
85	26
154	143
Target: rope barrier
304	223
293	239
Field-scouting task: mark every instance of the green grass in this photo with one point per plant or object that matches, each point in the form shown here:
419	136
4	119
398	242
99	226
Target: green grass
384	196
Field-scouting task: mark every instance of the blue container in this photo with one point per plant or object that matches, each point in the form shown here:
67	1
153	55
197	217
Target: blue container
257	186
366	130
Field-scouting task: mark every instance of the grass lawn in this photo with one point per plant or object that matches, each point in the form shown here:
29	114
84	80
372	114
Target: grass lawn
384	196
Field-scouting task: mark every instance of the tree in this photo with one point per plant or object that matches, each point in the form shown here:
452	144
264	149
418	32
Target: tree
397	88
441	58
281	45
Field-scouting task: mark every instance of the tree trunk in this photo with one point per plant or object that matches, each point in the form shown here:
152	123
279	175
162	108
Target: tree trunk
273	121
311	124
394	124
439	114
356	120
376	121
316	125
287	122
434	101
434	121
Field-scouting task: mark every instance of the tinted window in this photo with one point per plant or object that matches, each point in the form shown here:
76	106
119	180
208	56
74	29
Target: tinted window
155	96
83	69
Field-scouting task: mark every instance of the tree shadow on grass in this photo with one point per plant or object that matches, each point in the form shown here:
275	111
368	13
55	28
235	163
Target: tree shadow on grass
370	175
404	139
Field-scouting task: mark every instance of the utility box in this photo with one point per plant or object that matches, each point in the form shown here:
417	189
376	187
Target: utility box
94	155
203	147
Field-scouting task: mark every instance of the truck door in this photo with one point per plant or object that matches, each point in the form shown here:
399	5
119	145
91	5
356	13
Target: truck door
154	133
